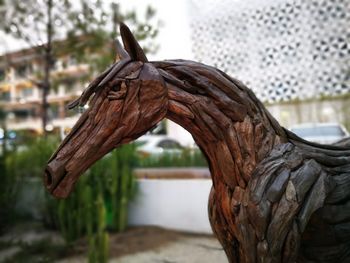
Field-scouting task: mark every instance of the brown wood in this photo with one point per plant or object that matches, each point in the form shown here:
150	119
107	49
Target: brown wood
275	196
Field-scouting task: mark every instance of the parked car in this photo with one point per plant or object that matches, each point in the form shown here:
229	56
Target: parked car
157	145
325	133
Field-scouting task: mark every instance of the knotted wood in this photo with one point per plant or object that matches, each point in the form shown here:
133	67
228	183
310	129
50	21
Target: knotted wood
275	197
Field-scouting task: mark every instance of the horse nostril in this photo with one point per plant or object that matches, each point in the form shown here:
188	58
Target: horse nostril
48	178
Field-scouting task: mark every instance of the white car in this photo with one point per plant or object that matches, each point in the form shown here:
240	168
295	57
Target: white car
324	133
157	145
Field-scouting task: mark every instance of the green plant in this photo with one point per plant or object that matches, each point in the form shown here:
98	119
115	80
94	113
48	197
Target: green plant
186	159
118	183
75	212
8	194
30	158
8	189
99	201
98	240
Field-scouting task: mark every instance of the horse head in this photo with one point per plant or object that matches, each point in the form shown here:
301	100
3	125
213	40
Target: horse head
124	102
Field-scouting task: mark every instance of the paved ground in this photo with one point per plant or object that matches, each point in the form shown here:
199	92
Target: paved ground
136	245
184	250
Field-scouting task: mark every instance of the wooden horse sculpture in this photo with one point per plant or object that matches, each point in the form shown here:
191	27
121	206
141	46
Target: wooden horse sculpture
275	197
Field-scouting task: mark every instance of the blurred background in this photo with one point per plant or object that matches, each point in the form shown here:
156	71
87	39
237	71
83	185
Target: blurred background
147	201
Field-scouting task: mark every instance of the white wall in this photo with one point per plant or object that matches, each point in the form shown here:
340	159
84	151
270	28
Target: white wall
178	133
174	204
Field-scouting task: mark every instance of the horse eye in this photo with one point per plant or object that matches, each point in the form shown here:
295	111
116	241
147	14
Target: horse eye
116	87
115	84
117	94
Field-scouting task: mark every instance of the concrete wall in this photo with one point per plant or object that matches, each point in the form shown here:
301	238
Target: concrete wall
174	204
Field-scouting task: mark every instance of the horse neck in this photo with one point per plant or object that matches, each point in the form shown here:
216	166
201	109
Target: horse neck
229	124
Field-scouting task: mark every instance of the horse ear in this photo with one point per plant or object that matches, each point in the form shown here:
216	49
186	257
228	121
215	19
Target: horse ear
121	52
131	45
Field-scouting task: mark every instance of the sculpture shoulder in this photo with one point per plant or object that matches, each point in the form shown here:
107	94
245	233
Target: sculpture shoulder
288	171
285	191
285	200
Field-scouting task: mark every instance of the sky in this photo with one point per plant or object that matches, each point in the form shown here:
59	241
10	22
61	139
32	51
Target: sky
173	39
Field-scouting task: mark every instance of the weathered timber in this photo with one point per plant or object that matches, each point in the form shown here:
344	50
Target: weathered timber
275	197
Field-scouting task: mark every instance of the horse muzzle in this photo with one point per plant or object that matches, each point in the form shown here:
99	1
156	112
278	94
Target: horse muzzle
56	175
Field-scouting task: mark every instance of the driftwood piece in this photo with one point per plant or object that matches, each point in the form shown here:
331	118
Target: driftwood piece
275	197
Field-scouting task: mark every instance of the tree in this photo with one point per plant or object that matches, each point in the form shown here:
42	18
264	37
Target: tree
86	27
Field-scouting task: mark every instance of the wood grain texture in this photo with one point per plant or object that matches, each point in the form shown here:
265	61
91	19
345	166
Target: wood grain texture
275	197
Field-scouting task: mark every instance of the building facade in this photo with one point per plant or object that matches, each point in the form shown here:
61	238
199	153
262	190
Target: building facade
282	49
21	97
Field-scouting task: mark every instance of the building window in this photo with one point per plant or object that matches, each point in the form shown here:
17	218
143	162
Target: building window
22	114
53	111
28	92
23	71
